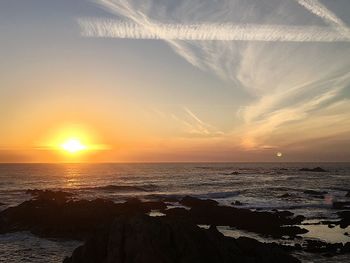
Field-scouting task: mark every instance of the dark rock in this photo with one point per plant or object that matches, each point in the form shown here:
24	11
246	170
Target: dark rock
341	205
316	169
346	248
318	246
170	199
143	239
347	194
315	193
49	195
285	214
286	195
1	204
51	216
275	224
195	202
346	234
345	219
298	247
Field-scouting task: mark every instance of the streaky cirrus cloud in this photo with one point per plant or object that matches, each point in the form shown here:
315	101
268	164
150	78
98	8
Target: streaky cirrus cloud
315	7
204	32
294	68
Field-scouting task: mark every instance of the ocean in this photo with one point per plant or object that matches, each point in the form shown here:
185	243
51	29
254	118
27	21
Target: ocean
263	186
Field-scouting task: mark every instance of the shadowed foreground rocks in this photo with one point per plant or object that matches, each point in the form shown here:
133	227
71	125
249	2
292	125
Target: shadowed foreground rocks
142	239
208	212
55	214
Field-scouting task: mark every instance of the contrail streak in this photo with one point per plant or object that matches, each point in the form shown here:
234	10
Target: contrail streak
317	8
224	32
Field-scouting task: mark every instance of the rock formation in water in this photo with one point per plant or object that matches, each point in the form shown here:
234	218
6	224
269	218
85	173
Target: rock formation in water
143	239
316	169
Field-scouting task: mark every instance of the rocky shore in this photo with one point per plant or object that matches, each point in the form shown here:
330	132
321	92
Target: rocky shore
123	232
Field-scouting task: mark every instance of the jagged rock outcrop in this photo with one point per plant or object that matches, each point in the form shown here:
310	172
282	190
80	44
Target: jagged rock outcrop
208	212
55	214
143	239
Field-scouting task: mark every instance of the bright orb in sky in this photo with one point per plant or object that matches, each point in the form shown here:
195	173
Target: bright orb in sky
73	146
279	154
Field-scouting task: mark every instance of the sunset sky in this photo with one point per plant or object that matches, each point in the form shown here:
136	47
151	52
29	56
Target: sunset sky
174	81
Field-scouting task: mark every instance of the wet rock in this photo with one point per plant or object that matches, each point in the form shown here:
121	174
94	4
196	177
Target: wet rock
318	246
286	214
315	193
143	239
56	196
298	247
1	204
347	194
341	205
49	215
344	219
233	173
286	195
316	169
346	248
195	202
170	199
204	212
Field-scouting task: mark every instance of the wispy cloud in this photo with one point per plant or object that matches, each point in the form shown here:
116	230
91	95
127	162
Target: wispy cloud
263	51
194	126
315	7
204	32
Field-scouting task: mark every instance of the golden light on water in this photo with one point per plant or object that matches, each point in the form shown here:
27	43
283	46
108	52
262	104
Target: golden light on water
279	154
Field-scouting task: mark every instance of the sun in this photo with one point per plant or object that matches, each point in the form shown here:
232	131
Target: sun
73	146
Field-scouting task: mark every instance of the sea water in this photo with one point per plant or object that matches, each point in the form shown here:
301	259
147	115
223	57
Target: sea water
256	185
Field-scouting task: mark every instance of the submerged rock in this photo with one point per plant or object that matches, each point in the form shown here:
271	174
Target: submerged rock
286	195
316	169
143	239
315	193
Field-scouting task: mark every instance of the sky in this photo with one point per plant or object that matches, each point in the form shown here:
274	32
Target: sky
175	81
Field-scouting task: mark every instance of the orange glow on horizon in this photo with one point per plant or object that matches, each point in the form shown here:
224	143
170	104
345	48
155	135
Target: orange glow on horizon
73	142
